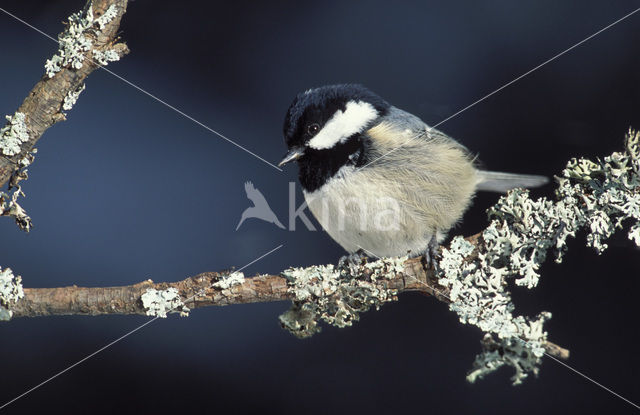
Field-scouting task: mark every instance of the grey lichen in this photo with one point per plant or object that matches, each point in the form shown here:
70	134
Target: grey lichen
10	292
14	134
478	293
337	295
510	352
74	42
106	17
597	196
604	194
634	234
9	205
72	97
159	303
103	58
227	281
301	320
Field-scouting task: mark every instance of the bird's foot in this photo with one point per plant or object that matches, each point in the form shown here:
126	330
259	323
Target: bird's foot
432	254
356	258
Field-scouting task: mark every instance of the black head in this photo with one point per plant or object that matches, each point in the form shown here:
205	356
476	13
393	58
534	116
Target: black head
324	129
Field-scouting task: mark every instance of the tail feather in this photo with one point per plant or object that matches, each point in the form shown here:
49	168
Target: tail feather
493	181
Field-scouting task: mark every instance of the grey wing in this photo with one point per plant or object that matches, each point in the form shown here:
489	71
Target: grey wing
486	180
493	181
406	121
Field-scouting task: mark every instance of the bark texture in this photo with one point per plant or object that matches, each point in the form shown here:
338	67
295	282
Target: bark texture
197	291
200	291
43	105
43	108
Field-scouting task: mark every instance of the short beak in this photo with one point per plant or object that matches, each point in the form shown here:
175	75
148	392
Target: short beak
293	154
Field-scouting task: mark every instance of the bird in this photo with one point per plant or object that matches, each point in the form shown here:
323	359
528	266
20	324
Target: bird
260	208
378	179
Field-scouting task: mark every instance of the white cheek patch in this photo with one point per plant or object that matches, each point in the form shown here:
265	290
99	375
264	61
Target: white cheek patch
344	124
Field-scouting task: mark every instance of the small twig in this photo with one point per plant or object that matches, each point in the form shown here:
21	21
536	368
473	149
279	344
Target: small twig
43	106
88	42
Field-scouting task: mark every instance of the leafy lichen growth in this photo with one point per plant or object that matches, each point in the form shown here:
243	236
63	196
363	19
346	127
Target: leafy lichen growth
604	194
335	296
228	281
597	196
478	294
14	134
511	352
108	16
9	205
159	303
10	292
74	42
103	58
72	97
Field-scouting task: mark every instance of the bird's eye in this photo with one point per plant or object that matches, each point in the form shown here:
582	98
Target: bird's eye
312	129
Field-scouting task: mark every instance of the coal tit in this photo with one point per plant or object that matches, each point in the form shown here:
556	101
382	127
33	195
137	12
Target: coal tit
378	178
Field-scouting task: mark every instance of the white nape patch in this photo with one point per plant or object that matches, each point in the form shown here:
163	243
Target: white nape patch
343	124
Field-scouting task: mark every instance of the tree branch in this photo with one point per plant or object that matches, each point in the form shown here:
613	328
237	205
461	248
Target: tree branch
471	277
94	45
204	290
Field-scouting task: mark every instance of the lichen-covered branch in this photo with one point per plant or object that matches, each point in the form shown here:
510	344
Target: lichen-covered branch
597	196
214	289
472	274
88	42
10	292
332	294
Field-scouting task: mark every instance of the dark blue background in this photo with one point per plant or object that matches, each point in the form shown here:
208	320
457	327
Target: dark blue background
127	190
